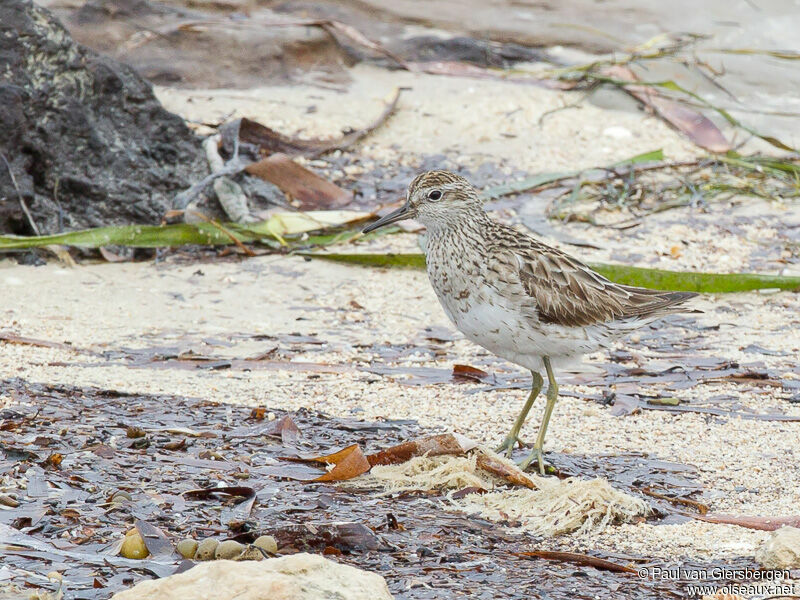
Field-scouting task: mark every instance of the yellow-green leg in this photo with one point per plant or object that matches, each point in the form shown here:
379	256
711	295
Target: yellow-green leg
552	396
513	437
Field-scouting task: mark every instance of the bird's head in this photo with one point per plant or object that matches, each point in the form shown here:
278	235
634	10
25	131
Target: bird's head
436	199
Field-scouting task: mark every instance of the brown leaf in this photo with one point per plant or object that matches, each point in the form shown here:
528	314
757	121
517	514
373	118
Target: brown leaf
700	129
511	474
297	182
53	461
175	445
471	373
435	445
763	523
349	462
70	513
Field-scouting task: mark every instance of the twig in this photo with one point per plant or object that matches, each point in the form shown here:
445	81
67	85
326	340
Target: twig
352	138
579	559
19	195
590	90
182	200
700	507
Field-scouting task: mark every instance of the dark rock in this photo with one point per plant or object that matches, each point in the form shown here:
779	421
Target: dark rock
84	136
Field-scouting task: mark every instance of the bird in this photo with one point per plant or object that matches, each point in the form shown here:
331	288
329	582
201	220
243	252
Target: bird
519	298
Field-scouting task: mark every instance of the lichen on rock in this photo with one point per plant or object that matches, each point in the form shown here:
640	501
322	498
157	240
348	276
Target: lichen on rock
85	138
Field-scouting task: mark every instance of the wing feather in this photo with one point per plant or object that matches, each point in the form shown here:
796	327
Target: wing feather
567	292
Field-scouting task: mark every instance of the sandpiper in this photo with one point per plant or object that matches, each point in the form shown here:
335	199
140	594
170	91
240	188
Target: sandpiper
519	298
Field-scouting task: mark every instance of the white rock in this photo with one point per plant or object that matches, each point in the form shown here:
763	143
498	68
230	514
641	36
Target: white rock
295	577
781	550
617	132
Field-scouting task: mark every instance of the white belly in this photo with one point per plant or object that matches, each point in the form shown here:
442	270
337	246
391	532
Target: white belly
490	322
505	324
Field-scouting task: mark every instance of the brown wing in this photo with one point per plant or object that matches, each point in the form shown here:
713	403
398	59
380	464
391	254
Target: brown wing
567	292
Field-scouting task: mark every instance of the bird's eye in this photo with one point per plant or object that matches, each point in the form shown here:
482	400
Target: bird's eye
434	195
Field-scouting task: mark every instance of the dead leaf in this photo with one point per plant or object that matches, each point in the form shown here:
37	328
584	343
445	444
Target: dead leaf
348	463
579	559
435	445
155	540
53	461
285	428
306	187
511	474
471	373
625	404
175	445
701	130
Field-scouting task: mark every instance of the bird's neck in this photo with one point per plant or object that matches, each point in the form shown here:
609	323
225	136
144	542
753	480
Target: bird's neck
467	227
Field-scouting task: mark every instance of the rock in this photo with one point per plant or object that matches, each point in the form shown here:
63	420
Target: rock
87	141
266	543
228	549
187	548
781	550
206	549
295	577
133	546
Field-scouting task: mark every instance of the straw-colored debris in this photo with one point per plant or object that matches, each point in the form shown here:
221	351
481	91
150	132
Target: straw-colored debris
554	507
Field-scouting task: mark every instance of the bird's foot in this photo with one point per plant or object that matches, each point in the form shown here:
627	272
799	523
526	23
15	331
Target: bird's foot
537	457
507	447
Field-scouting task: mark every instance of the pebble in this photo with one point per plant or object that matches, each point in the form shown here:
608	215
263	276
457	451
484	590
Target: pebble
187	548
133	546
228	549
267	543
206	549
